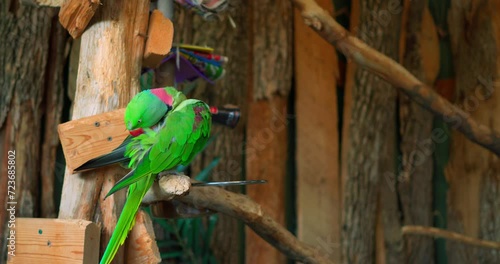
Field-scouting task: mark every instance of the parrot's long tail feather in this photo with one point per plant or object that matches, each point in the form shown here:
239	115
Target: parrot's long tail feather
115	156
127	217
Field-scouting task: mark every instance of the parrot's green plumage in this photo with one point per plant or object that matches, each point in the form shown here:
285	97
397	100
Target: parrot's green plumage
181	131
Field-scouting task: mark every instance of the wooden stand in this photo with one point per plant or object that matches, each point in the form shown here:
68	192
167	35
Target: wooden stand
55	241
90	137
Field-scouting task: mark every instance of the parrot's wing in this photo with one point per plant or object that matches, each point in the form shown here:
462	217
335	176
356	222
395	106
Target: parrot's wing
184	133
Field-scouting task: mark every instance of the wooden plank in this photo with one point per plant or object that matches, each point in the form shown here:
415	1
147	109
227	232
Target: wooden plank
370	148
39	240
267	127
75	15
414	183
318	178
473	173
159	39
90	137
266	158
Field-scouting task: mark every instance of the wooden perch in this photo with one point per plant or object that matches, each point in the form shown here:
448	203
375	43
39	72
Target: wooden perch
386	68
242	207
75	15
440	233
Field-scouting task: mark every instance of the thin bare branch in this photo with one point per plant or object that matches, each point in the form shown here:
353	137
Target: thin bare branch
436	232
372	60
242	207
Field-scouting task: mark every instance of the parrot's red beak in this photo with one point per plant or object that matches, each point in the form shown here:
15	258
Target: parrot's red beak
136	132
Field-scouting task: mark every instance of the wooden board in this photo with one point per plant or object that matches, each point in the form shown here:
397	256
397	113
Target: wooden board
90	137
318	179
159	39
39	240
267	125
473	173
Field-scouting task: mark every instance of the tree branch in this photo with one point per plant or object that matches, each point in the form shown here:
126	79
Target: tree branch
241	207
436	232
372	60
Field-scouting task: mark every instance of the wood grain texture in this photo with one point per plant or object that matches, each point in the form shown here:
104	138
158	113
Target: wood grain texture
143	249
90	137
25	34
267	130
159	39
473	173
75	15
267	126
110	63
372	118
414	183
41	240
318	179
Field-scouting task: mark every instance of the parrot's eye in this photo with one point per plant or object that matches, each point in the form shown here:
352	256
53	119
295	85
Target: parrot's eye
139	121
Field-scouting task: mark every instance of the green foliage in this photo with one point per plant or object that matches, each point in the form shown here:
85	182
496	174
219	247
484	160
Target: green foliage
187	240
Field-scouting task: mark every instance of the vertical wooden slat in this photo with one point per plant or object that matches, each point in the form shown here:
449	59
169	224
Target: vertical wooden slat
420	57
317	154
370	148
110	62
267	127
473	173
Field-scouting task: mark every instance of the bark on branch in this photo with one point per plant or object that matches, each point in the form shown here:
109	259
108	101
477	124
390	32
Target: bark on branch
436	232
241	207
372	60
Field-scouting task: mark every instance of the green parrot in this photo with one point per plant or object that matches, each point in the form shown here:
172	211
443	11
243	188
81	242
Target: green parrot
169	130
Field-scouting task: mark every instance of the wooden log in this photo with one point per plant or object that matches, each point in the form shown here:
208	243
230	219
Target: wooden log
144	249
473	173
107	80
75	15
414	183
39	240
371	149
91	137
318	178
267	127
159	39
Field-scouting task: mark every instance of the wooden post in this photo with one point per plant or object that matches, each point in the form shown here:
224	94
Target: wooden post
318	178
110	62
39	240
